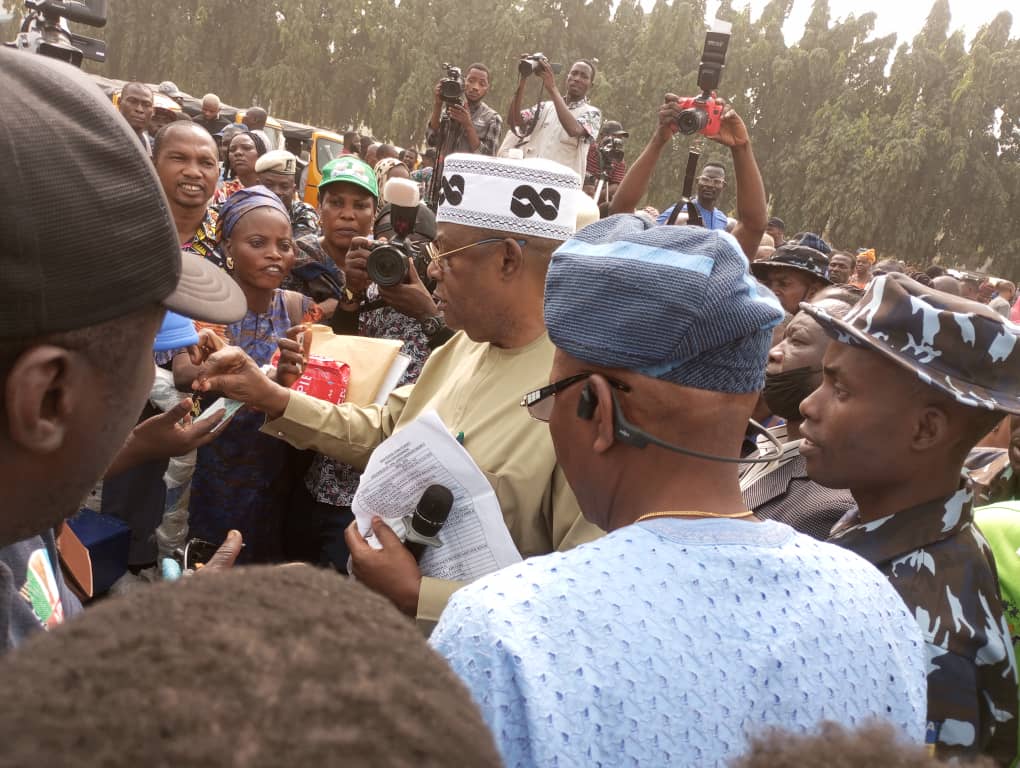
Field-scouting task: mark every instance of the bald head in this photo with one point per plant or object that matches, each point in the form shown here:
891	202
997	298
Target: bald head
946	284
210	106
255	118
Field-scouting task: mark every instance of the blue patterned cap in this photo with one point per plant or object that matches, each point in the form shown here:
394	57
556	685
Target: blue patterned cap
673	303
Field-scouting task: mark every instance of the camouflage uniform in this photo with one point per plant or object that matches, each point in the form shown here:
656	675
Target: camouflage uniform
942	567
991	476
933	554
304	219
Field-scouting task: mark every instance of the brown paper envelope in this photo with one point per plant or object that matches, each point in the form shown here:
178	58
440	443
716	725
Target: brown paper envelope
370	360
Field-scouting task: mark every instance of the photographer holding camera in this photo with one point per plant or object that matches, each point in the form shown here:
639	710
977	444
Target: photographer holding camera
477	125
752	215
605	162
559	129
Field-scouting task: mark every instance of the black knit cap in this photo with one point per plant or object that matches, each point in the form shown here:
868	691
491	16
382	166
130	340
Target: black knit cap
86	229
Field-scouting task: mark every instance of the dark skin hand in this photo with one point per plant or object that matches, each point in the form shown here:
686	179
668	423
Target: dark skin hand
294	351
173	433
391	571
356	265
410	297
233	373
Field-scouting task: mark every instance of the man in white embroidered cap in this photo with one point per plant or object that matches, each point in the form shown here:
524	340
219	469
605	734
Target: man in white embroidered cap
498	223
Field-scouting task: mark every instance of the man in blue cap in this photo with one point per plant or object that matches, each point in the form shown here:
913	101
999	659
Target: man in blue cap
691	623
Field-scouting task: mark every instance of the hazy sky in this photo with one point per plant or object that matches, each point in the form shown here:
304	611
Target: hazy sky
905	17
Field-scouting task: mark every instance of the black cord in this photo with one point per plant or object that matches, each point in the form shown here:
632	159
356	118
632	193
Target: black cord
533	123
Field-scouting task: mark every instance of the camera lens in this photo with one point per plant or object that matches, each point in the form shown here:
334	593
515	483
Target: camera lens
450	90
691	120
387	265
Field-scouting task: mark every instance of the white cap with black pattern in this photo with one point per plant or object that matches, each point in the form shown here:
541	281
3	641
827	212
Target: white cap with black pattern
537	198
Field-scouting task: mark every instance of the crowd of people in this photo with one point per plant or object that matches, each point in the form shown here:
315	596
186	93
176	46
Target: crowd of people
763	489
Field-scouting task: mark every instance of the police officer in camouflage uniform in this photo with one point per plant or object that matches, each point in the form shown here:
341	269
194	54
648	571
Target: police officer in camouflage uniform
914	379
278	171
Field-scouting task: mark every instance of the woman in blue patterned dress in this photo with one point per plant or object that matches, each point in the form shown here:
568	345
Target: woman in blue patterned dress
240	477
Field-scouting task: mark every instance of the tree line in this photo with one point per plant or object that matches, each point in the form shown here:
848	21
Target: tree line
908	146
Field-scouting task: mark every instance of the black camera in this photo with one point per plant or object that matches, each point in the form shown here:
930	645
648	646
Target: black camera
529	65
704	113
451	87
611	150
44	30
388	263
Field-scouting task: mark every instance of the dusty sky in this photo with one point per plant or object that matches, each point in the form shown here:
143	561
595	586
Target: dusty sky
905	17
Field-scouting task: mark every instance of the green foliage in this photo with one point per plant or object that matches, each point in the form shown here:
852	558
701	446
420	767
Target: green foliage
913	150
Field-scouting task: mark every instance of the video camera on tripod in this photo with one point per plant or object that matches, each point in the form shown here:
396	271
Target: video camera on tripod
45	31
451	92
451	87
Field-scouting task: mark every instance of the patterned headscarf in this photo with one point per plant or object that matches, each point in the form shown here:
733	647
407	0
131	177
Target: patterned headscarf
382	172
241	202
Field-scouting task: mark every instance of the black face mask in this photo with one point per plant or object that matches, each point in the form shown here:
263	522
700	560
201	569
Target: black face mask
784	392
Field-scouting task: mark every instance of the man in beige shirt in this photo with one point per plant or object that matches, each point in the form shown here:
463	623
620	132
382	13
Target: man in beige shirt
498	224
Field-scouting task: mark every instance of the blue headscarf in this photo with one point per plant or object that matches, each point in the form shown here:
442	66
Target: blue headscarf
243	201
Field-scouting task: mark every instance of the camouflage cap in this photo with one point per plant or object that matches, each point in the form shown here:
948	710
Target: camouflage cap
961	347
798	257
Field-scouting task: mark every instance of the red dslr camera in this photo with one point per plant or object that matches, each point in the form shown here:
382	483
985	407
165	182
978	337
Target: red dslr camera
700	113
704	113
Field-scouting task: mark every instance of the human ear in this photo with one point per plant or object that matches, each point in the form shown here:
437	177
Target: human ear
513	258
931	427
39	399
602	413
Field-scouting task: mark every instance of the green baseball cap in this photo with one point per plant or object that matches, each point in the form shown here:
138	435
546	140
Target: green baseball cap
352	170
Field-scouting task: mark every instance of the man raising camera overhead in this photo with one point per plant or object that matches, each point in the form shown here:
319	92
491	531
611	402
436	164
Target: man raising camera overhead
476	125
559	129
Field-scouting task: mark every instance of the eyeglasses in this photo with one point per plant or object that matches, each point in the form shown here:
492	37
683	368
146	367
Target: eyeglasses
440	258
540	402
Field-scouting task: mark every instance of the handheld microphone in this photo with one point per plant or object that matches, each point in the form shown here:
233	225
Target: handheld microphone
429	517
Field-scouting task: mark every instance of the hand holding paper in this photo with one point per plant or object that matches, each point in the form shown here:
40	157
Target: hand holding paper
475	537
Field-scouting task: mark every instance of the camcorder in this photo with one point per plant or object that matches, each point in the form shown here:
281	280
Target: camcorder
529	65
388	263
45	31
611	150
704	113
451	87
